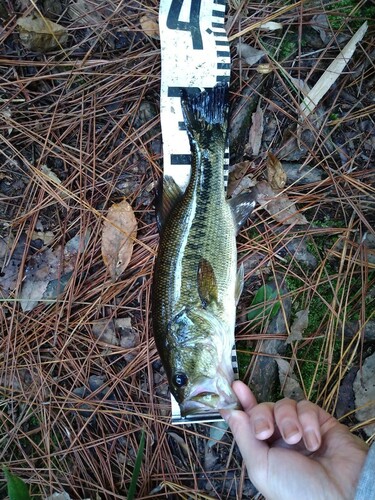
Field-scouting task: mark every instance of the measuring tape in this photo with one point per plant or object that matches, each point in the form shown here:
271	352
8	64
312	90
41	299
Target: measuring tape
195	56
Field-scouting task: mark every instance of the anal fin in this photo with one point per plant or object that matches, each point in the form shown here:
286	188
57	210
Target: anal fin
167	196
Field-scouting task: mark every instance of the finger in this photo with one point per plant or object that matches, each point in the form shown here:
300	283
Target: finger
245	396
262	420
308	416
261	415
254	452
286	418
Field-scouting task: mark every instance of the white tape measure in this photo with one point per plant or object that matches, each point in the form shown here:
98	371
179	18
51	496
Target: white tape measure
195	56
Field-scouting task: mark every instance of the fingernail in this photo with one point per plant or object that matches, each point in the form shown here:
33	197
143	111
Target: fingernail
311	440
289	430
261	426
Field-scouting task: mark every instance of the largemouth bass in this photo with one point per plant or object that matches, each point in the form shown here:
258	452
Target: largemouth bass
196	284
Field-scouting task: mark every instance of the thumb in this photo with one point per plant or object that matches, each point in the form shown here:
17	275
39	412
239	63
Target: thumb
253	450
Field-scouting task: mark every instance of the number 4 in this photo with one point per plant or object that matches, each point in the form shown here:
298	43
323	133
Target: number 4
193	25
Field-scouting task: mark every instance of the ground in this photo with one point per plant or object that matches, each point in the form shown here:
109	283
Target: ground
80	376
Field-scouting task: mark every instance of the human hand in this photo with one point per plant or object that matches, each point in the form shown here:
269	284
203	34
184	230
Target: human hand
295	450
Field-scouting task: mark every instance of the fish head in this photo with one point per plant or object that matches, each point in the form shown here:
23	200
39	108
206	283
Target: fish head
200	370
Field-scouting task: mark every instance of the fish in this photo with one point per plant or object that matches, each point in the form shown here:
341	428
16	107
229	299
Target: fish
196	283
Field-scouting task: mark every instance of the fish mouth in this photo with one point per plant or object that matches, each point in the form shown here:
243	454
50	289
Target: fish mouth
209	396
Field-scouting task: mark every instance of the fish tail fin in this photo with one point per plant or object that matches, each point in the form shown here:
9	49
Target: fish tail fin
206	114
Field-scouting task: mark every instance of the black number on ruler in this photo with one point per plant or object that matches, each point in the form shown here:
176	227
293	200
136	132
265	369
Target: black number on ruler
193	25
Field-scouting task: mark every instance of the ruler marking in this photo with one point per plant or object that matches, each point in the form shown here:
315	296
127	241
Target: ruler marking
218	13
223	53
180	159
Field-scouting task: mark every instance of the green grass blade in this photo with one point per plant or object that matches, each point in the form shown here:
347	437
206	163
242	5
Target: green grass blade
137	467
17	489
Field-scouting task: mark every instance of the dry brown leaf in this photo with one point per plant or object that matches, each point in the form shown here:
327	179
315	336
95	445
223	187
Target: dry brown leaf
256	130
239	181
47	274
299	326
275	172
278	205
119	233
104	330
364	391
150	26
39	34
249	54
88	14
288	381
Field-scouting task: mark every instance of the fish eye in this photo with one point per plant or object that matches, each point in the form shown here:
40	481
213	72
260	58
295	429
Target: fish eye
180	379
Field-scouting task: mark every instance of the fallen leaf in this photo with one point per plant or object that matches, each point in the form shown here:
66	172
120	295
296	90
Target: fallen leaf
39	34
59	496
87	13
10	262
275	172
49	173
119	233
300	84
299	325
6	114
123	323
48	272
181	442
264	69
271	26
92	16
238	180
17	489
256	130
46	237
364	391
320	23
278	205
266	302
129	338
150	25
249	54
288	381
104	330
299	173
39	272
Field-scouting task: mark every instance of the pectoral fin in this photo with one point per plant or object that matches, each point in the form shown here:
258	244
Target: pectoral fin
167	196
207	284
242	206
